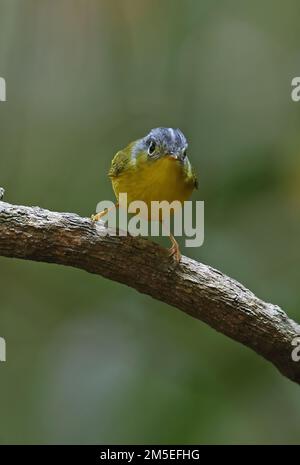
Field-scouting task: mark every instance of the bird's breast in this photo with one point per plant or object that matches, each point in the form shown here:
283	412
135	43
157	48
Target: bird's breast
163	179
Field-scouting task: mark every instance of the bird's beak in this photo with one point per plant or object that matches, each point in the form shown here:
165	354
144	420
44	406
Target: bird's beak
176	156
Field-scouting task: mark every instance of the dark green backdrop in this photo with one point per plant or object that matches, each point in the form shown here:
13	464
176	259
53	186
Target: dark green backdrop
91	361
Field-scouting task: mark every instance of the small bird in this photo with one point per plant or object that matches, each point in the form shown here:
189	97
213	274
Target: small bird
155	167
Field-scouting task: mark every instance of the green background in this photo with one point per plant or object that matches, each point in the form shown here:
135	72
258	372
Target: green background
92	361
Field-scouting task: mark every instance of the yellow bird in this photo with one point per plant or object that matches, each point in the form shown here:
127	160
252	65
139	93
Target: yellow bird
154	168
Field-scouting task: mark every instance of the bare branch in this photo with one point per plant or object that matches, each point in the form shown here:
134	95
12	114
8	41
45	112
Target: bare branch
196	289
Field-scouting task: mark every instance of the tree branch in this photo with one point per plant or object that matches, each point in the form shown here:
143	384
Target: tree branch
33	233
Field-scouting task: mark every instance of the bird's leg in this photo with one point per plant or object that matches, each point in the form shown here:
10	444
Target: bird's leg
174	250
99	215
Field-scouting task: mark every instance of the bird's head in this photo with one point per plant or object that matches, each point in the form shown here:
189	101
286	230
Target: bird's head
162	142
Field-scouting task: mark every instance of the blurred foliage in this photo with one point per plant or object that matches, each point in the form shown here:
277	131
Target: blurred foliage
91	361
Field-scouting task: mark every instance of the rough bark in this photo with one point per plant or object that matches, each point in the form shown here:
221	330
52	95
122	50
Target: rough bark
32	233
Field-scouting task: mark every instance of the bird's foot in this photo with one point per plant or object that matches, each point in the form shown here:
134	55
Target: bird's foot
98	216
175	252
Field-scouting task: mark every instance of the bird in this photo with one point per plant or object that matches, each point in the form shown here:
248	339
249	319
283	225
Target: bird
154	168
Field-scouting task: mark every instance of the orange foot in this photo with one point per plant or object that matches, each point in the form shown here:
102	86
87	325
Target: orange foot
174	251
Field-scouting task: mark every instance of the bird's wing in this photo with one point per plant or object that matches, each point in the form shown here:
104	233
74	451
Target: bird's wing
191	174
119	164
195	179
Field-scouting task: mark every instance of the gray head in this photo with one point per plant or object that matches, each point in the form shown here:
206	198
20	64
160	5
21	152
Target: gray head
164	141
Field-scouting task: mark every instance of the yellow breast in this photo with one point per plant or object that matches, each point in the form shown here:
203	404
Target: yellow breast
162	179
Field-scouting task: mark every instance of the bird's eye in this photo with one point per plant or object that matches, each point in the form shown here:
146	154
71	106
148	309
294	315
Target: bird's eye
184	153
151	147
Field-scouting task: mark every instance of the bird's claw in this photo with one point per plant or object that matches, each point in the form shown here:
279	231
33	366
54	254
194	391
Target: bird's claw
94	218
175	252
98	216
